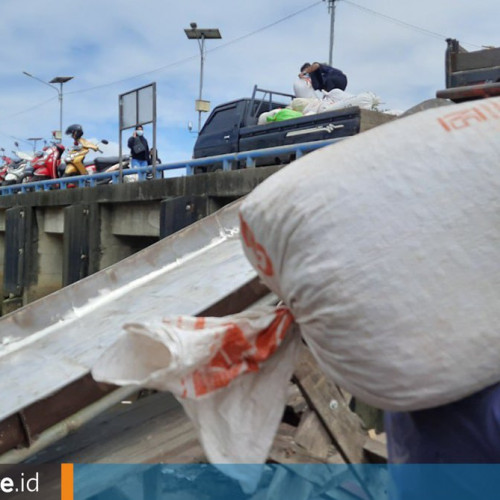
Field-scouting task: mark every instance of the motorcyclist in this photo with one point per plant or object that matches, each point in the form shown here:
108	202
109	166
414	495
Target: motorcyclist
80	144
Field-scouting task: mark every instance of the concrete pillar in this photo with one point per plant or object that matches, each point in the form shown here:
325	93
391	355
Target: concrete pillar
2	248
20	256
116	247
50	222
80	242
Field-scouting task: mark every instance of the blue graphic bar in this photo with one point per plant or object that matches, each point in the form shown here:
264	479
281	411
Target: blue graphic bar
287	482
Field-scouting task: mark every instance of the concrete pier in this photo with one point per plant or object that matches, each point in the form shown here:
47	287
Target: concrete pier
53	238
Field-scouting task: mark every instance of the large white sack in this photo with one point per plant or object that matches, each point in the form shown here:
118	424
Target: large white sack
386	247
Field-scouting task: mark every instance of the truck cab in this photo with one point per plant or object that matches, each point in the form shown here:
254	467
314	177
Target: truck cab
220	133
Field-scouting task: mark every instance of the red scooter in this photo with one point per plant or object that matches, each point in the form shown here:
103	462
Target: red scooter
45	164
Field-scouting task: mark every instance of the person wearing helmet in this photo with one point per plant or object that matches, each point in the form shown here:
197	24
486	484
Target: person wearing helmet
76	132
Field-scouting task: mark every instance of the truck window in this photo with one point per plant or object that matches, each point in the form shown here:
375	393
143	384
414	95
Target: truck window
221	120
260	106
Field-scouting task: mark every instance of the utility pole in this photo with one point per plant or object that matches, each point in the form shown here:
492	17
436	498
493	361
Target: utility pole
331	11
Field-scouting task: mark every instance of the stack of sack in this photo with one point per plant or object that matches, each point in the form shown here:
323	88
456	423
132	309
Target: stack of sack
333	100
384	249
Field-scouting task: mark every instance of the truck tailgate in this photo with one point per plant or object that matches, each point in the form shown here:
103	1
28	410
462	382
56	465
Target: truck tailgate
332	124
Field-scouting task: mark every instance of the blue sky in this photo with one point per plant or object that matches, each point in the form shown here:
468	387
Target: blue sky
390	47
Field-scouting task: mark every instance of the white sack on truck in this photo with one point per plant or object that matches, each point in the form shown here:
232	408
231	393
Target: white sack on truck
386	247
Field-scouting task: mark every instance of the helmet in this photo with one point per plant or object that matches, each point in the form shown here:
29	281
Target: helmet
75	131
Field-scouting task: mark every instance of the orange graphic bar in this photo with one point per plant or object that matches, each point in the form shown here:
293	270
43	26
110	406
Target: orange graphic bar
66	481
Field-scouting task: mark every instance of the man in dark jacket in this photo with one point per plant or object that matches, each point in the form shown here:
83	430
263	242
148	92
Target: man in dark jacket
139	148
324	77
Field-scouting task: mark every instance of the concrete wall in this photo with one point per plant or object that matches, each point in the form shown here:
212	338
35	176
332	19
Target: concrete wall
75	232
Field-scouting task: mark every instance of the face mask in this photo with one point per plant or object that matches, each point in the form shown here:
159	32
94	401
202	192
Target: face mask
139	132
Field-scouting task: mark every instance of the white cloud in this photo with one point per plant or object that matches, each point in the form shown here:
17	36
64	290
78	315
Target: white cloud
102	42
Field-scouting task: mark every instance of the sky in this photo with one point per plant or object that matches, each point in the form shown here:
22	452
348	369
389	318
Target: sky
393	48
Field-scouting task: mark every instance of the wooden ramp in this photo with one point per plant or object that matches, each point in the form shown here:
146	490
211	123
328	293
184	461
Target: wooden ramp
317	428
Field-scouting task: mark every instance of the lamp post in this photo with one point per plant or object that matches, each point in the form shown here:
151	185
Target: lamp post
35	140
195	33
60	80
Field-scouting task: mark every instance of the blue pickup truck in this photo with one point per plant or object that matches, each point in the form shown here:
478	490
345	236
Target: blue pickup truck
232	127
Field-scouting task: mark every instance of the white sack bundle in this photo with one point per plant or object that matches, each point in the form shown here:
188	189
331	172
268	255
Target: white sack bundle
339	99
386	248
301	103
231	374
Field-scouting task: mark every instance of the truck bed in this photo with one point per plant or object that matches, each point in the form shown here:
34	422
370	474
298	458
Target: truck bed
328	125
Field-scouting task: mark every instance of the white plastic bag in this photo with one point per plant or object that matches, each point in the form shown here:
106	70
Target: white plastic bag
300	103
230	374
302	87
385	246
263	116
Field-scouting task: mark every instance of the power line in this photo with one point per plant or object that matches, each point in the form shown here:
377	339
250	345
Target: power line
31	108
182	61
265	27
404	23
14	137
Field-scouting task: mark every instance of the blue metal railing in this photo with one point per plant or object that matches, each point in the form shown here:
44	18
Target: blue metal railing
226	161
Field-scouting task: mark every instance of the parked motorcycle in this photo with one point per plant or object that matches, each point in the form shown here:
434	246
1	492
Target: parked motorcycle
46	163
74	162
3	168
110	164
16	170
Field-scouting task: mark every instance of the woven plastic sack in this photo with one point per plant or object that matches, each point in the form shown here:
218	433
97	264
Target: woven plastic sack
339	99
385	246
300	103
230	374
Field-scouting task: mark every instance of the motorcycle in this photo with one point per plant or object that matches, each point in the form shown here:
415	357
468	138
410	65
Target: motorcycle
3	168
45	164
16	170
74	163
110	164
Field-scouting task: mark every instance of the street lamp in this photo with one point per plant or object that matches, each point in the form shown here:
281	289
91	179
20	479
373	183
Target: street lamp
61	80
35	140
195	33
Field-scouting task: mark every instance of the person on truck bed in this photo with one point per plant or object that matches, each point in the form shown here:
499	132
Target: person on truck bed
324	77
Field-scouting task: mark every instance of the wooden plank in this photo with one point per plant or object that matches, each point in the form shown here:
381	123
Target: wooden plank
313	437
375	451
151	430
478	59
286	451
295	399
343	426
